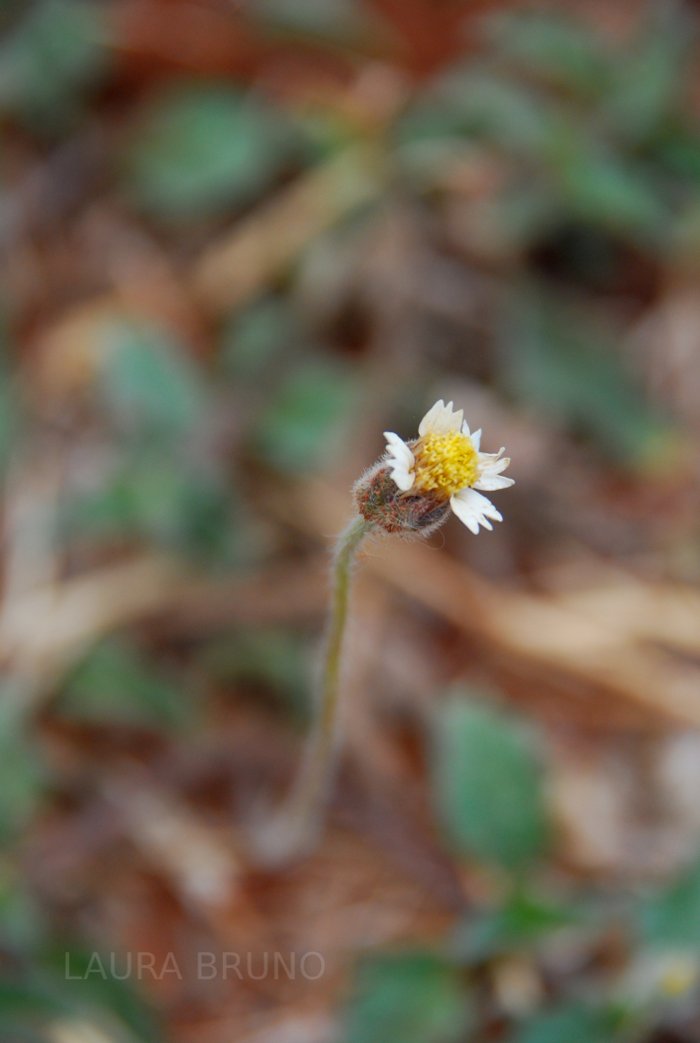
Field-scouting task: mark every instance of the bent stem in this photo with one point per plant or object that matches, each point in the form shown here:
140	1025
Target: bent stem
301	816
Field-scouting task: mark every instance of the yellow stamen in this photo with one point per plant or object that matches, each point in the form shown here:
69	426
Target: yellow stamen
445	463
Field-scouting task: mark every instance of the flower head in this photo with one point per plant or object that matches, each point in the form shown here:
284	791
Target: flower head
445	465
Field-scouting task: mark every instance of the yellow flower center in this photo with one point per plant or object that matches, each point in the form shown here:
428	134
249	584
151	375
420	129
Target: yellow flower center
445	463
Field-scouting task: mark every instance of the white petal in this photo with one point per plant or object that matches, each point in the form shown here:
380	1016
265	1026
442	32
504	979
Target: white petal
428	420
490	482
441	420
474	438
473	509
452	419
493	463
465	512
398	450
465	515
478	502
403	477
491	511
494	468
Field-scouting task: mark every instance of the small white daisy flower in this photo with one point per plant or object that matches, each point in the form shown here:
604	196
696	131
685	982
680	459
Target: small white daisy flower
446	462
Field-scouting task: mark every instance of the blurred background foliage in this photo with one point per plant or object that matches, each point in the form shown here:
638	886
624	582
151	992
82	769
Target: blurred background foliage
241	239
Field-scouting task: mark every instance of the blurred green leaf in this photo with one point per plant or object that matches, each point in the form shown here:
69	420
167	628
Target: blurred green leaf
650	76
183	508
501	111
487	782
671	917
114	1002
21	924
302	424
414	997
160	481
602	188
523	216
573	1023
24	1005
115	683
47	62
522	921
562	360
559	49
9	401
23	778
69	986
189	511
200	148
276	658
345	23
205	521
149	383
257	337
677	148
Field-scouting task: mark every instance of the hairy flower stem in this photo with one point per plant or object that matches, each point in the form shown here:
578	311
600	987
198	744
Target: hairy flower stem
302	814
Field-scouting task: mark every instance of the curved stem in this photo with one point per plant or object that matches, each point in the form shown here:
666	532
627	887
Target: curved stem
302	814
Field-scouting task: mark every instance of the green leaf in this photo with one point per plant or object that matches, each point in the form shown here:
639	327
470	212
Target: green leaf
412	997
650	77
502	111
487	783
275	658
21	923
58	985
600	187
344	23
92	990
671	917
561	50
201	148
191	512
10	419
48	61
677	148
182	508
521	922
23	776
572	1023
115	683
24	1004
562	360
149	383
302	425
255	339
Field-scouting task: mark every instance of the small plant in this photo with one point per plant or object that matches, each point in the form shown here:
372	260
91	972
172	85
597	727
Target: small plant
410	491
